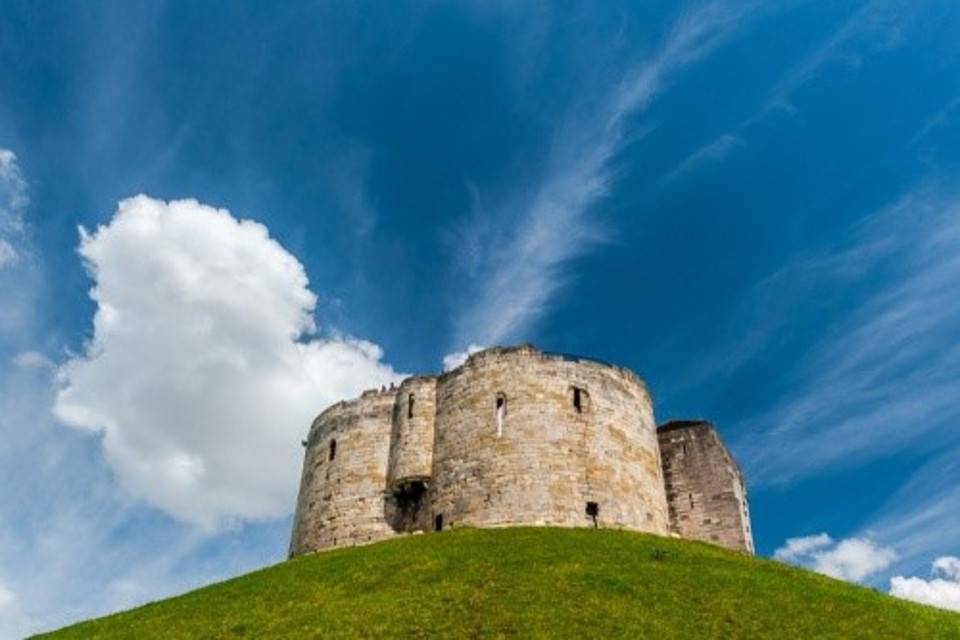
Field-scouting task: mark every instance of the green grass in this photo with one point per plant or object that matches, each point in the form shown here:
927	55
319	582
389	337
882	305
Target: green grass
528	583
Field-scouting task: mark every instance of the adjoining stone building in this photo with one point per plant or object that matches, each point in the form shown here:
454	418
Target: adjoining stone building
514	436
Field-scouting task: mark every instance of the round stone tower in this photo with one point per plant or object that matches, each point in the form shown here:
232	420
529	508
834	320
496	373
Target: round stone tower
411	454
528	438
344	474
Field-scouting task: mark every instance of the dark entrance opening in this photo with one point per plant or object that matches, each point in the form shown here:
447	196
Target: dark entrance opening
404	506
438	522
593	510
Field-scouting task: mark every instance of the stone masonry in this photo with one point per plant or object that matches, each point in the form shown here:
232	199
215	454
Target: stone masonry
705	489
514	436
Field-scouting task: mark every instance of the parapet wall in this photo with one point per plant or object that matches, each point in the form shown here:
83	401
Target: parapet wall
704	485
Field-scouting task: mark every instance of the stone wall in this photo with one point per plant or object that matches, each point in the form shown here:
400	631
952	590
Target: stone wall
341	498
512	447
704	486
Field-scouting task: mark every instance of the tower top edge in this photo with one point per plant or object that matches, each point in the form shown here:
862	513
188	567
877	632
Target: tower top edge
532	351
676	425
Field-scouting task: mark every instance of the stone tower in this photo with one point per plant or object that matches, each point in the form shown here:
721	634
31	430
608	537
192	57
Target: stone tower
514	436
705	489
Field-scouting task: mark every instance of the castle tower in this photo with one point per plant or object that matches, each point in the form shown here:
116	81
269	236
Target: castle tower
411	454
528	438
514	436
344	474
705	488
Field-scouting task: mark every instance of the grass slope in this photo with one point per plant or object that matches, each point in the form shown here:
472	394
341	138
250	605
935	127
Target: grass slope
529	583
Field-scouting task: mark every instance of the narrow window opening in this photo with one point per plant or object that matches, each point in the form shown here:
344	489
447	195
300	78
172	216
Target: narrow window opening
593	510
690	496
501	412
578	399
438	522
410	406
333	449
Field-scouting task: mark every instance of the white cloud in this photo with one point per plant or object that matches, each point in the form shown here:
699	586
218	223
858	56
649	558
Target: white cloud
948	566
941	590
852	559
520	274
457	358
796	548
198	375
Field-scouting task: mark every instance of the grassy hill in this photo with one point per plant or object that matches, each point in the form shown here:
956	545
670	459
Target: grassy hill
528	583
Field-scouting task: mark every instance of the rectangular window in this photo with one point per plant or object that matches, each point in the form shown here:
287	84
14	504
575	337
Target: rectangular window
501	412
578	399
410	406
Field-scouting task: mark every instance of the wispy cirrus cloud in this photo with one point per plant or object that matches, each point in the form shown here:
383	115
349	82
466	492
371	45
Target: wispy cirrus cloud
922	518
714	151
521	274
882	373
13	201
20	277
876	26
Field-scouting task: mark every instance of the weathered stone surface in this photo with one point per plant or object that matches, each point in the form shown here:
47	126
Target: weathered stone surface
411	454
705	489
513	436
547	460
341	499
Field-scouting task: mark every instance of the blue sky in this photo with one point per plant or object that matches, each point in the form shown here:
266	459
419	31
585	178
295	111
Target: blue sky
754	205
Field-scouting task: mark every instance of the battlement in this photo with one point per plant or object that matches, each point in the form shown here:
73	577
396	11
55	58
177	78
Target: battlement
513	436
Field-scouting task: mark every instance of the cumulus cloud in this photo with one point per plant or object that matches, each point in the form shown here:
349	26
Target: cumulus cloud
457	358
852	559
796	548
205	367
941	590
